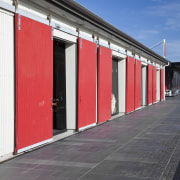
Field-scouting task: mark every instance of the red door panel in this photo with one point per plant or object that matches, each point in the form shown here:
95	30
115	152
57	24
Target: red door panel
34	82
104	84
162	84
149	84
130	85
87	65
154	84
137	84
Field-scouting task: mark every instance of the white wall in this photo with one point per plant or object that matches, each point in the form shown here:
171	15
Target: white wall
144	86
6	83
71	66
158	85
122	85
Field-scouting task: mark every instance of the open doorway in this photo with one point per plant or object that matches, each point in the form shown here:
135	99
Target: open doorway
115	94
64	83
59	87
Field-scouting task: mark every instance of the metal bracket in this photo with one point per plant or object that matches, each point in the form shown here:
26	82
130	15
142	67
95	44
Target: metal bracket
109	44
15	3
49	18
78	30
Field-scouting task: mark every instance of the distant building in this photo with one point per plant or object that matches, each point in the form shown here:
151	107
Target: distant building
172	76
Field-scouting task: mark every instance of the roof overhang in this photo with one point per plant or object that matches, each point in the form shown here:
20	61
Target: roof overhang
80	16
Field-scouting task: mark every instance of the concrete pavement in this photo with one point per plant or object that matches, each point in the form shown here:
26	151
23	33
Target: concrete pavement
143	145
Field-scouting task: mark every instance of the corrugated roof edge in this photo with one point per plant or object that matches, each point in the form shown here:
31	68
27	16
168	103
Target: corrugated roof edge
77	9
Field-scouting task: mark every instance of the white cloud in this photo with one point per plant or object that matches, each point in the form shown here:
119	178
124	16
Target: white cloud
170	11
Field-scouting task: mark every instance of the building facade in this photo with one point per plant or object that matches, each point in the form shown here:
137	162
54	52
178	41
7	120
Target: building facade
64	69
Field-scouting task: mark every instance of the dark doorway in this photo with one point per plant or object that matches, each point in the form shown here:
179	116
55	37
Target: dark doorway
115	102
59	88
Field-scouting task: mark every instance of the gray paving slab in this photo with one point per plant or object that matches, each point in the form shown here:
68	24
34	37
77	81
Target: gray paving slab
144	145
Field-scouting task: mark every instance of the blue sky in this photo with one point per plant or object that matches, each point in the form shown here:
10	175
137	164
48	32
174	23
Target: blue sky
148	21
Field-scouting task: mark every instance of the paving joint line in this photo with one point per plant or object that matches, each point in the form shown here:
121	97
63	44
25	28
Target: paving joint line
161	177
123	145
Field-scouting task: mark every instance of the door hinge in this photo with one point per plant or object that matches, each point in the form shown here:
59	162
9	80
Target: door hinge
19	22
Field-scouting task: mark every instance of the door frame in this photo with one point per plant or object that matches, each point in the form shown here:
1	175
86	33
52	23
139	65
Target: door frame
70	71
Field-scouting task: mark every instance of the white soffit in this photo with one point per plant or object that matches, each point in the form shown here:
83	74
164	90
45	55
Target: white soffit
117	54
64	36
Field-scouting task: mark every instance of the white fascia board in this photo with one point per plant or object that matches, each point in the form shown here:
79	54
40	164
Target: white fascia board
4	11
118	54
63	28
158	66
116	49
144	63
7	6
103	44
129	53
86	37
32	16
62	35
137	57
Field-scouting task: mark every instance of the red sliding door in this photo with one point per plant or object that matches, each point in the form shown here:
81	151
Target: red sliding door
137	84
104	84
87	68
130	84
34	83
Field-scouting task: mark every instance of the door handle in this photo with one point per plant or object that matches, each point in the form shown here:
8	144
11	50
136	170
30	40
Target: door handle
54	104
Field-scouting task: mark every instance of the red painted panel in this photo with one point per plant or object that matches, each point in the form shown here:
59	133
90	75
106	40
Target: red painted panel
104	84
34	82
87	65
162	84
154	81
137	84
130	85
149	84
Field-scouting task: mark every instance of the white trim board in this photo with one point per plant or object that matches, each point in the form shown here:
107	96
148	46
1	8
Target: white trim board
86	127
118	54
62	35
7	6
